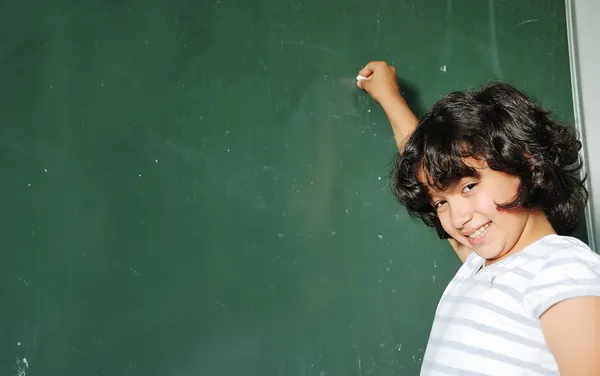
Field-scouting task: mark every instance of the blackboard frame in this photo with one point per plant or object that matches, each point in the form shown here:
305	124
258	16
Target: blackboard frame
585	79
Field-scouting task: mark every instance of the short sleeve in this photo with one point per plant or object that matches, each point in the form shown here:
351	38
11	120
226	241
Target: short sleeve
567	273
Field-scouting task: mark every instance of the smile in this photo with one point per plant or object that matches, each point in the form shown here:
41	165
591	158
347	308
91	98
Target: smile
480	231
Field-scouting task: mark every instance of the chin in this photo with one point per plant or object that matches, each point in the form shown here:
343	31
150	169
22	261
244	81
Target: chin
489	253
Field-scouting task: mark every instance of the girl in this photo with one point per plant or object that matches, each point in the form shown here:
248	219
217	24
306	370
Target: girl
495	175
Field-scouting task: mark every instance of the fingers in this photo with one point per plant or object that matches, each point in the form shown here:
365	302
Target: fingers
379	80
360	81
370	69
374	66
365	73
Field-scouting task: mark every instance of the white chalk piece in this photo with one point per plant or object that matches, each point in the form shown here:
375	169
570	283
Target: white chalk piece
362	78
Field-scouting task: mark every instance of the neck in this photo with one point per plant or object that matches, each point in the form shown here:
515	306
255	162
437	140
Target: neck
537	227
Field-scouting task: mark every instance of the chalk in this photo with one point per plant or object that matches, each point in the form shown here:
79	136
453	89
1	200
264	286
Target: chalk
362	78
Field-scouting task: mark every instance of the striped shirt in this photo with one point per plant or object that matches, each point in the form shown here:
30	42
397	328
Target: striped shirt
488	319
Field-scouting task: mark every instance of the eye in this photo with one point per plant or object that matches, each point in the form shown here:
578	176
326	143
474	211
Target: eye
468	188
439	204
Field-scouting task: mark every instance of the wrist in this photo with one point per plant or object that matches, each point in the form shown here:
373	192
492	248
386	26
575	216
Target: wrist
392	100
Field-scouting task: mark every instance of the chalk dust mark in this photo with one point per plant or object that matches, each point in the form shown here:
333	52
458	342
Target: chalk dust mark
446	44
263	168
493	40
35	336
298	5
24	281
186	152
313	46
21	367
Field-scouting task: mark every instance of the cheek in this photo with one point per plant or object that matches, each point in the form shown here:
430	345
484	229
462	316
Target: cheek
509	186
512	219
447	225
486	204
500	191
509	221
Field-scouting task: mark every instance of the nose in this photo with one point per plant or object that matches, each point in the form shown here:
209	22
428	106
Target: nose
461	214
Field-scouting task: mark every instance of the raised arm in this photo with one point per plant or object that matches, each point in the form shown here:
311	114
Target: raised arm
382	85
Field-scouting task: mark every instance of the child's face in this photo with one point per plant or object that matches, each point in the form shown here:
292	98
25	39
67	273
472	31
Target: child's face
468	211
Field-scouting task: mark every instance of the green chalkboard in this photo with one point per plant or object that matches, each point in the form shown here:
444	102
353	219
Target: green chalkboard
197	187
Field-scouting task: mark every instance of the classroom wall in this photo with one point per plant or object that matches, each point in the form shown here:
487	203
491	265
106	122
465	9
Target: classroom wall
585	58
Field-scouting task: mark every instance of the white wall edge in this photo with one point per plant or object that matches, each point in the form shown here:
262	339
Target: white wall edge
583	31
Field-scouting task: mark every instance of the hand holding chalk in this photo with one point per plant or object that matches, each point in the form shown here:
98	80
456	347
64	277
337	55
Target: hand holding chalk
379	80
359	80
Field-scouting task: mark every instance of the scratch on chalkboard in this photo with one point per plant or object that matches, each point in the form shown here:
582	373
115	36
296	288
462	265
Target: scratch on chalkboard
527	21
263	64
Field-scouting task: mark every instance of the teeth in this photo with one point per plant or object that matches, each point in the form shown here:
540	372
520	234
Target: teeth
482	230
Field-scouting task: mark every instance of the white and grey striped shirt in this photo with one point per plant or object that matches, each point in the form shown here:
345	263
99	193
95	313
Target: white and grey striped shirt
487	321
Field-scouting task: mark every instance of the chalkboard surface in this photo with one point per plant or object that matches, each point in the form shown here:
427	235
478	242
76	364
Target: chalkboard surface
198	188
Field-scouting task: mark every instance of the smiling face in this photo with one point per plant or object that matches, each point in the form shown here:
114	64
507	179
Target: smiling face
469	213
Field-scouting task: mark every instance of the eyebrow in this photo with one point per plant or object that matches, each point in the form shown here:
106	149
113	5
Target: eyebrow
476	175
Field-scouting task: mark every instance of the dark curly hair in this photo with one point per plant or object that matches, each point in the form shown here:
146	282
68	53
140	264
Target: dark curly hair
514	135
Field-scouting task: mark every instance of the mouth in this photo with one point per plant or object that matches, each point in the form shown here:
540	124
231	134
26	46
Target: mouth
480	232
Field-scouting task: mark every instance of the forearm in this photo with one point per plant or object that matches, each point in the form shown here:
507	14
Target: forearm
402	119
462	252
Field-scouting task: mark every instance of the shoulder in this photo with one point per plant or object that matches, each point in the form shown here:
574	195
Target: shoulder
563	267
550	243
562	254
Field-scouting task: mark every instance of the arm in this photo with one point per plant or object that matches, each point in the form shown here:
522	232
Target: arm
401	118
382	85
572	331
462	251
565	296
